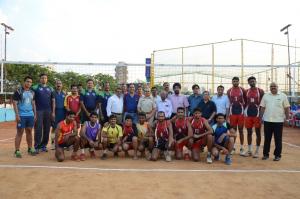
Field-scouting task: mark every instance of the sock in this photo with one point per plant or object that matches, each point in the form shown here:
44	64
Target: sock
242	147
250	147
234	146
208	153
105	151
82	151
257	148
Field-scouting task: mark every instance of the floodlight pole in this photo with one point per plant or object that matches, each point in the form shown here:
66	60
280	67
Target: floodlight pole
289	59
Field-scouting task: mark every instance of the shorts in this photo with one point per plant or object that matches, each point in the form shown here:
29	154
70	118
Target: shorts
179	146
251	122
111	146
161	144
64	145
26	122
199	143
129	138
86	143
236	120
226	138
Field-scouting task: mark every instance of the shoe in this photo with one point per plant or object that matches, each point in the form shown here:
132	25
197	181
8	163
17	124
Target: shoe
243	152
208	159
218	157
52	146
103	156
37	150
18	154
187	157
148	156
116	154
75	158
228	160
31	151
256	155
167	156
92	154
82	157
44	149
265	157
277	158
232	152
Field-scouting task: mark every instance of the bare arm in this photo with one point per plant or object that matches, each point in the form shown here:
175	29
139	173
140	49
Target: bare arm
57	131
170	134
16	110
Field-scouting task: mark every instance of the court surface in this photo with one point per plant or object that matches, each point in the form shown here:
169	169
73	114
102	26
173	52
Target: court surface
43	177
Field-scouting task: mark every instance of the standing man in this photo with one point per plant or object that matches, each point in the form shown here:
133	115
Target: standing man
72	103
24	106
45	107
106	94
155	95
253	99
140	91
124	89
60	111
147	105
166	86
164	105
131	101
89	99
275	110
237	98
221	101
194	99
115	105
178	100
208	108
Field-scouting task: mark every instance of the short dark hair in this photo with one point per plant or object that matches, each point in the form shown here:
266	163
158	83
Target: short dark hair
79	84
128	117
176	84
220	115
180	108
93	113
112	117
43	74
197	109
27	77
159	112
153	87
89	80
142	114
220	86
236	78
73	85
165	83
70	113
194	86
250	78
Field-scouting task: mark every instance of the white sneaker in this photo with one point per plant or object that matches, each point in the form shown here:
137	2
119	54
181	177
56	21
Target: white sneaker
167	156
208	159
256	155
243	152
52	146
232	151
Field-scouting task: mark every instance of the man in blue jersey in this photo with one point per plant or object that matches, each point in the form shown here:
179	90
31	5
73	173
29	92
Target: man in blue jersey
45	108
60	111
131	100
89	100
24	106
224	136
105	95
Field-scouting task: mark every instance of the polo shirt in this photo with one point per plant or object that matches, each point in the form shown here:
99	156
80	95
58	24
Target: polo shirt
105	97
43	97
59	99
207	108
89	98
146	104
194	101
274	106
131	102
113	133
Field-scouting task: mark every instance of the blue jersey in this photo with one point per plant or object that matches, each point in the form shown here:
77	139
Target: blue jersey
89	99
59	99
131	102
218	131
104	100
24	101
43	97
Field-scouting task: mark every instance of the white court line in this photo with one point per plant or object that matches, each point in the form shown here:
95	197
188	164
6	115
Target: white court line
154	170
291	145
7	139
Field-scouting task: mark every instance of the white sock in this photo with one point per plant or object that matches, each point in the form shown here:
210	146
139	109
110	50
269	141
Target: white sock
208	153
105	151
82	151
242	147
250	147
257	148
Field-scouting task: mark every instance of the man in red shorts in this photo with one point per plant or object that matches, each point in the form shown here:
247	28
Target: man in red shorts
237	98
72	103
66	135
202	136
182	132
253	98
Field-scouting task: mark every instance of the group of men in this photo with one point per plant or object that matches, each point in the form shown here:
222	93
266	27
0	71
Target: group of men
147	122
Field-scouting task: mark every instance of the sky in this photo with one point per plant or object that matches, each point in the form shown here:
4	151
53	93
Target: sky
109	31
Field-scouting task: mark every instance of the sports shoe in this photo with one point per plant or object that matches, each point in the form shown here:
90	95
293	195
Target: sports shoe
44	149
228	160
218	157
167	156
232	152
265	157
37	150
52	146
255	155
18	154
31	151
75	158
277	158
243	152
92	154
82	157
208	159
103	156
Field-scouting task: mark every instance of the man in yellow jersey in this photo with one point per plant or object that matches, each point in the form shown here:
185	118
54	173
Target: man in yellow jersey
66	135
111	137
